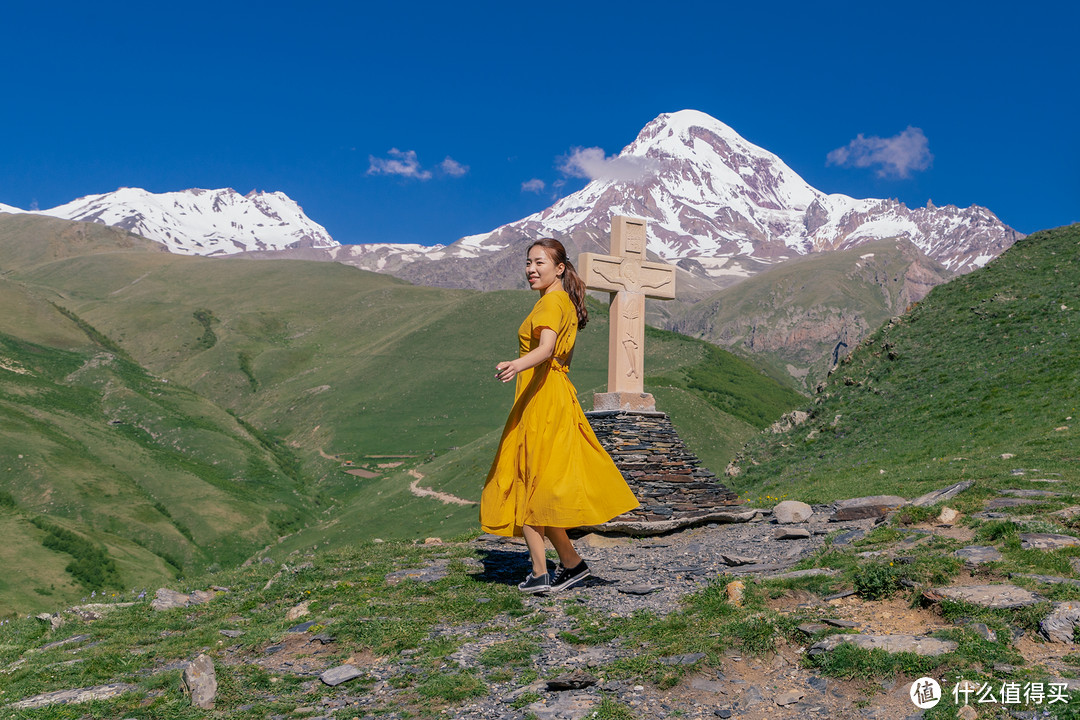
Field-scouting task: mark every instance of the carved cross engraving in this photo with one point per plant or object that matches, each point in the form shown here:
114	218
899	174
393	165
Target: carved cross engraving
629	278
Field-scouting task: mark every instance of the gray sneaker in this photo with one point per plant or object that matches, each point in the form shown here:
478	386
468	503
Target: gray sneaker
534	584
567	577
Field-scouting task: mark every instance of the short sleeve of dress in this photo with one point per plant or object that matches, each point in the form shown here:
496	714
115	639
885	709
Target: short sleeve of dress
548	314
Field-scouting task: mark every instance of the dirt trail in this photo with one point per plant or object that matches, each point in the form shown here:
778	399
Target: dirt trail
415	489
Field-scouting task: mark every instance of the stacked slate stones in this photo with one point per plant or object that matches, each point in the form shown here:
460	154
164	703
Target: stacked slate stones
663	473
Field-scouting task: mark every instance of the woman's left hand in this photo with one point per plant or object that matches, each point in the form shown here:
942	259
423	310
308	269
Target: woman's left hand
505	371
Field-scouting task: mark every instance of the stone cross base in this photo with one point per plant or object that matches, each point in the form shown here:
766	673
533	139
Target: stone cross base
626	401
675	491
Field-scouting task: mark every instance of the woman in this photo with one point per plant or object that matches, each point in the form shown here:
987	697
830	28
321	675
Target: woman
550	472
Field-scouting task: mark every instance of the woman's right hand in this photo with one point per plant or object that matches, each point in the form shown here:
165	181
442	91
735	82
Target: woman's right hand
505	371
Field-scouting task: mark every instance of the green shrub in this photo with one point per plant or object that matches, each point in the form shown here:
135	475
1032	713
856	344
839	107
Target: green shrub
875	581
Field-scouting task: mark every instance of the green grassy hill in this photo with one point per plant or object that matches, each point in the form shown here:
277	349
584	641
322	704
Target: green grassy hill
803	315
985	366
186	411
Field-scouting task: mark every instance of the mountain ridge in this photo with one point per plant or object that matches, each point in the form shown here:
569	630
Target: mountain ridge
198	221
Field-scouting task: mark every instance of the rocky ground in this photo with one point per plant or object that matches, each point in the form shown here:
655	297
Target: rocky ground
935	591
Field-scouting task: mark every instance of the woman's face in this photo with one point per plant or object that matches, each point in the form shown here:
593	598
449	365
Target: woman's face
540	271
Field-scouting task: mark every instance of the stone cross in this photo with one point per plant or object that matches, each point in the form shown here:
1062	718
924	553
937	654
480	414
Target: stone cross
629	278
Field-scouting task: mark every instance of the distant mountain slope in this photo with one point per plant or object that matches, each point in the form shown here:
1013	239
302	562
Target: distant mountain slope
201	222
713	199
807	314
980	379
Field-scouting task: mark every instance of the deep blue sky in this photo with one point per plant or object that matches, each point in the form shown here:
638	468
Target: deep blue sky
298	97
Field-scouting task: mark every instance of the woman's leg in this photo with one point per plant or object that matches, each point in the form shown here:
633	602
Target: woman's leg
568	556
534	538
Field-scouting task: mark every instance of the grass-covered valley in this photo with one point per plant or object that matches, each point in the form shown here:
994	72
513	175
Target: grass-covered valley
166	413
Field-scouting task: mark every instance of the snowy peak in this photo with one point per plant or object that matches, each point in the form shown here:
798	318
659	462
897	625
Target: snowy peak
734	208
203	222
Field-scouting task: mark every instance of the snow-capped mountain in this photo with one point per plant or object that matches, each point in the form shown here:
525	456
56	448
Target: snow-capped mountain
723	206
202	222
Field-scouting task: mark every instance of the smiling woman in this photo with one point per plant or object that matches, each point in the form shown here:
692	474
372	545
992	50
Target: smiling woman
550	472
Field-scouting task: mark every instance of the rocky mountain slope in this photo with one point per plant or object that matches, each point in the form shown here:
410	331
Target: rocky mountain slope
805	315
200	222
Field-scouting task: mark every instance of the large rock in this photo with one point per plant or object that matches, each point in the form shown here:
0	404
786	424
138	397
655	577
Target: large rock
997	597
1058	626
942	495
1047	541
792	511
200	682
78	695
863	508
918	644
166	599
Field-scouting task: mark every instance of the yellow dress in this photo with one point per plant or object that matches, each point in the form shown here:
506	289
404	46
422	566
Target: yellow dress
550	469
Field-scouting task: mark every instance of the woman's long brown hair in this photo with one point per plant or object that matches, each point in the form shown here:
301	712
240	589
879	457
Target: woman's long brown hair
572	282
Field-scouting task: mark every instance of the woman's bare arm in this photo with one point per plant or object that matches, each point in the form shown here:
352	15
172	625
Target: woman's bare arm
507	370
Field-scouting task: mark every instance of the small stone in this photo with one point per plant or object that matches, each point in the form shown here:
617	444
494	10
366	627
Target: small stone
983	630
54	621
735	590
722	713
936	496
974	555
687	659
836	622
1010	502
874	506
199	681
638	589
302	627
298	611
752	696
948	516
1007	456
967	713
789	698
231	633
818	683
340	674
845	537
576	680
737	560
792	511
791	534
713	686
812	628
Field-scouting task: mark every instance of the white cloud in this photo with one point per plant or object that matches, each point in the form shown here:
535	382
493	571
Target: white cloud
591	163
898	155
452	167
403	163
536	185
